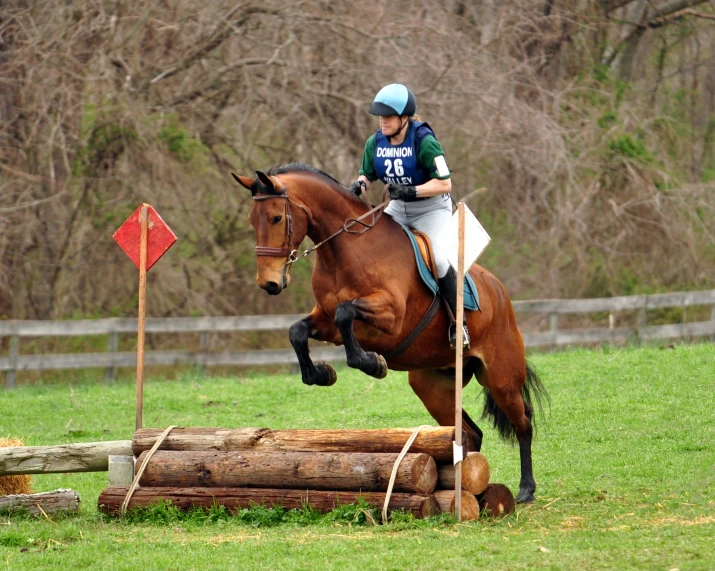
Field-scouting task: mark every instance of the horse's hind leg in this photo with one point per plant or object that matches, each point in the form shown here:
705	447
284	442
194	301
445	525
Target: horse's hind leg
504	381
315	325
436	391
369	363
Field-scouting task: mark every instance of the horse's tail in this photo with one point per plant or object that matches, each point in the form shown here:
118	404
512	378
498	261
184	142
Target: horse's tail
533	392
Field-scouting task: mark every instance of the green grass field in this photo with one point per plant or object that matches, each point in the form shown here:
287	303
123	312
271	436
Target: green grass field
624	463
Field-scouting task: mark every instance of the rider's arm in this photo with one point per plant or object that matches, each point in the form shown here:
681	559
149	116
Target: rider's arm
431	155
367	171
434	187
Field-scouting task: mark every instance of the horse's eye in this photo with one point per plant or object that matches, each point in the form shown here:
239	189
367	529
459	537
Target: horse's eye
276	219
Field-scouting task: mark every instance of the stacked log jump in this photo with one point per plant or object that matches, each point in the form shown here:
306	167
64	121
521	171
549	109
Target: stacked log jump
201	467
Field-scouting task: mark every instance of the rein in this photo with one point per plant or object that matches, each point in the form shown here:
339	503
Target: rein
292	254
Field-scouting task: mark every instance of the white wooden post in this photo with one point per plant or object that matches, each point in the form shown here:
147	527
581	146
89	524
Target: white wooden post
459	370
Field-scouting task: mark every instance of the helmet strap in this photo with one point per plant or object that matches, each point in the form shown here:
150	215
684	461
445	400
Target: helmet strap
396	133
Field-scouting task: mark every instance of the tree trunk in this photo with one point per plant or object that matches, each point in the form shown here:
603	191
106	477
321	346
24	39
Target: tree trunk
111	499
437	441
475	474
303	470
470	506
48	502
82	457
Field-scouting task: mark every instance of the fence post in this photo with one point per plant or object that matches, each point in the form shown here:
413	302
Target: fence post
553	327
611	326
112	347
712	318
203	347
14	350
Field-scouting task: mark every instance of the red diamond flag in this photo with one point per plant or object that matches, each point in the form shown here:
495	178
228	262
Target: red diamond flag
159	237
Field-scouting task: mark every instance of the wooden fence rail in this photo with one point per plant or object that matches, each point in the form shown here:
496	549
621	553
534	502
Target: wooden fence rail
112	327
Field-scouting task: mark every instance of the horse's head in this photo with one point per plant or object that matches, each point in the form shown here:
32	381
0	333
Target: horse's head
280	224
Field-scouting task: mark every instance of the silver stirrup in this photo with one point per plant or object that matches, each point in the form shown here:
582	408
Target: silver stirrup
465	338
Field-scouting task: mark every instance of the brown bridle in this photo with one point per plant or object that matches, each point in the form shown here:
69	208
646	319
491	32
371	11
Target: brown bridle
286	249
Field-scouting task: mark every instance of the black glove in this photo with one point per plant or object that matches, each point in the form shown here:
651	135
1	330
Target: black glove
357	187
402	192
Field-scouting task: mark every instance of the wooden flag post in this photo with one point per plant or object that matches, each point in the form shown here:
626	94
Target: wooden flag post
458	365
145	238
144	221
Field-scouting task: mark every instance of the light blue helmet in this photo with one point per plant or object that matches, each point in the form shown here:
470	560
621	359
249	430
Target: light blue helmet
394	99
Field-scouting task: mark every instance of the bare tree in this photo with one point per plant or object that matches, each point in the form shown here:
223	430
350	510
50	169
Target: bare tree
105	105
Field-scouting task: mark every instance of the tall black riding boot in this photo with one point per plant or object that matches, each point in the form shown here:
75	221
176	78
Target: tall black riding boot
448	289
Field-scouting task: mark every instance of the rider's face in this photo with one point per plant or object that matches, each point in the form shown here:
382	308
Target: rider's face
390	125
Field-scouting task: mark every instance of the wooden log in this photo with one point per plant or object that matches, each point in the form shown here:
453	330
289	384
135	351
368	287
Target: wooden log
436	441
82	457
302	470
475	474
446	501
496	501
47	502
322	501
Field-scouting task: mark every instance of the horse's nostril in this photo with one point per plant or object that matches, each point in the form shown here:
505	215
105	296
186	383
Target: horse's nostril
272	288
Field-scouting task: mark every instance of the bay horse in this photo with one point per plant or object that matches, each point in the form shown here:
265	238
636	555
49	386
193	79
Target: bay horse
369	298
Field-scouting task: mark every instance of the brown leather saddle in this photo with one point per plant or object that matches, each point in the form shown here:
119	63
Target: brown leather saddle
426	250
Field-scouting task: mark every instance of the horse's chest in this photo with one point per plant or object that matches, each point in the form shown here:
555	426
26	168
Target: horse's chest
329	299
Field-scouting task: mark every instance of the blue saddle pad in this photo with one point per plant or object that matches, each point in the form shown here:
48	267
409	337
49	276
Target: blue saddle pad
471	296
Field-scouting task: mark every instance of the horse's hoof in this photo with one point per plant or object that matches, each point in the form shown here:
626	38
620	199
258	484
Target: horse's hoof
380	366
326	375
525	498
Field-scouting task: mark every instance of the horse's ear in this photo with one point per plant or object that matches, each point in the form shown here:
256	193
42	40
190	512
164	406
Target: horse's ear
266	181
243	181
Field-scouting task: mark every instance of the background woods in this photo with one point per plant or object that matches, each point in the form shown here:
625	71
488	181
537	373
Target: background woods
591	125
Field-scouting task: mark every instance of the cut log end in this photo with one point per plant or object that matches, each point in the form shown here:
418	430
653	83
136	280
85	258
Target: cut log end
475	474
424	474
496	501
470	506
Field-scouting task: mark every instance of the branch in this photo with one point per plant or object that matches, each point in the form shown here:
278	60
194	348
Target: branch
615	4
138	24
696	14
27	176
333	23
208	45
661	19
219	79
672	6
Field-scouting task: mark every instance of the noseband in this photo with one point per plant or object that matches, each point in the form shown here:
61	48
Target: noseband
286	249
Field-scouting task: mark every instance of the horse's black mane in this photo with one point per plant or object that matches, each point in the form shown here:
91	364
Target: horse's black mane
302	167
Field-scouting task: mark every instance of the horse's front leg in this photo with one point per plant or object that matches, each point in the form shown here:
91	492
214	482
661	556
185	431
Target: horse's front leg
368	362
317	325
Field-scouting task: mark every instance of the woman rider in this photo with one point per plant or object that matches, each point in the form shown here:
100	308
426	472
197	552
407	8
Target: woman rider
405	155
